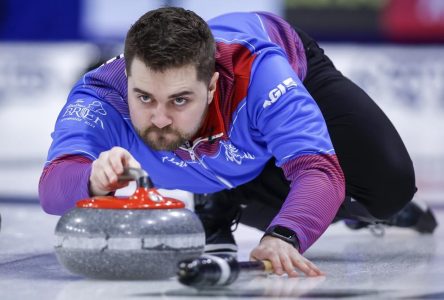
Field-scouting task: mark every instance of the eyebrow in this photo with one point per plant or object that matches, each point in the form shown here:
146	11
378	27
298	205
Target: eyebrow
179	94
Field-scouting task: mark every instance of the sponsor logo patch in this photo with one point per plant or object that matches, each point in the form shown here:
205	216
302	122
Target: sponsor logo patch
279	90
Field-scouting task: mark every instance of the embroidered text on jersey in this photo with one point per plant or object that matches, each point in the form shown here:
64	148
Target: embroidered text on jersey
279	90
233	154
87	113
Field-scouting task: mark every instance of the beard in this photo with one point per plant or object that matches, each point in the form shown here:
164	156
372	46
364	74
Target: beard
168	138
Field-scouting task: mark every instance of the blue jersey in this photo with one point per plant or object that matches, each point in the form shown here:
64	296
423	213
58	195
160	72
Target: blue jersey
260	110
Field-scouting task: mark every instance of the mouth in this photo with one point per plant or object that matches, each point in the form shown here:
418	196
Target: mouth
168	136
162	140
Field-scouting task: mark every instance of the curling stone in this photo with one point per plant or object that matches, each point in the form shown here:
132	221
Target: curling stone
143	236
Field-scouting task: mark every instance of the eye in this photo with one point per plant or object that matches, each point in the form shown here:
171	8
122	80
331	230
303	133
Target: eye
144	99
180	101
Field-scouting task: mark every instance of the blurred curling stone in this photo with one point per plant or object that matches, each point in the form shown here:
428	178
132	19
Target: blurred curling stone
143	236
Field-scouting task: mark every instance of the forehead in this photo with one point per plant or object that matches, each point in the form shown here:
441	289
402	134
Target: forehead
140	72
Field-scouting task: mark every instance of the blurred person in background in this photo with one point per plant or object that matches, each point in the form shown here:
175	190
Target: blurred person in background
250	115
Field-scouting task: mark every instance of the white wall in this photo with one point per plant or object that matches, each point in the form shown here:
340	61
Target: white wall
407	82
35	80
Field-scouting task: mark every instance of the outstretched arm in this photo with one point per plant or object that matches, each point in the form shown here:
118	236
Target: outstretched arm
317	191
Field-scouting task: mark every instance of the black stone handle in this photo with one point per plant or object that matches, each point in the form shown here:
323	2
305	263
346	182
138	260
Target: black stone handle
139	175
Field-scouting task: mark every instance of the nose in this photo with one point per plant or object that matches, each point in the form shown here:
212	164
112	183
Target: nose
160	118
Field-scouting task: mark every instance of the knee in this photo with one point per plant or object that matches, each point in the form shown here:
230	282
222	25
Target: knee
396	187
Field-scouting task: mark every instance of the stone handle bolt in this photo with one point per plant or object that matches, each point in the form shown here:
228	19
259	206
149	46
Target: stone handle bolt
139	175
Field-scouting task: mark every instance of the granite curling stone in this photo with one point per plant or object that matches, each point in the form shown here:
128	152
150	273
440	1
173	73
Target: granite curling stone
143	236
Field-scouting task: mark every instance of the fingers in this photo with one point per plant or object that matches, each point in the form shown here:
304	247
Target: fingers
288	266
284	258
106	170
111	173
131	162
267	254
119	158
305	266
315	271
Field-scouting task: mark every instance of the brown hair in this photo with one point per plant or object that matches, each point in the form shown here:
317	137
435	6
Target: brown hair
171	37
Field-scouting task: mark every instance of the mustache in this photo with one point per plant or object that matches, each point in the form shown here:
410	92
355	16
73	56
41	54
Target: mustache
163	130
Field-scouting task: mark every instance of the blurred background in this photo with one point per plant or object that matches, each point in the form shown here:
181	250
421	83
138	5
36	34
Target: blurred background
393	49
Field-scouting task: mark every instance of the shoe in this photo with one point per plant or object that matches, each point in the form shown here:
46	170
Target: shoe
219	217
377	229
220	241
415	215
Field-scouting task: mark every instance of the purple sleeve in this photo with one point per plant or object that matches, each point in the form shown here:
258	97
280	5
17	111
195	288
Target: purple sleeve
317	191
63	182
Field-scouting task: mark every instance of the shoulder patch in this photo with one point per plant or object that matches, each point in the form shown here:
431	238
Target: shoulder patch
279	90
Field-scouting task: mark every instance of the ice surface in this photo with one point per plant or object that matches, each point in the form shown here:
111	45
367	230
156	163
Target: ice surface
358	266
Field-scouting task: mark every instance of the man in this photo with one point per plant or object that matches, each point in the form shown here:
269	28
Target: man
251	114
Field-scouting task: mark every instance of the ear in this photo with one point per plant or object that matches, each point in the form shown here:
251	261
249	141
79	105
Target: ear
212	86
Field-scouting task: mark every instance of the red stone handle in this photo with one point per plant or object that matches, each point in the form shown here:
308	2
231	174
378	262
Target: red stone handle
145	196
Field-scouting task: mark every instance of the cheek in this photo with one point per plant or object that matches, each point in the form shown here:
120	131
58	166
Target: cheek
131	106
182	120
139	117
132	111
193	117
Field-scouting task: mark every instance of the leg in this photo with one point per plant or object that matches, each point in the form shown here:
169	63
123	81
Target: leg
378	170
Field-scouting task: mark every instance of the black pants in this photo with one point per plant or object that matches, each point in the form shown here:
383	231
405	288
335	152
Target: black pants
378	171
